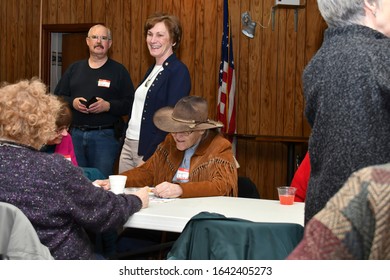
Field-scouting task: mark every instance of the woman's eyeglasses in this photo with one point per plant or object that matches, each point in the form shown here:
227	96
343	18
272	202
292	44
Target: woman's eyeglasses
61	129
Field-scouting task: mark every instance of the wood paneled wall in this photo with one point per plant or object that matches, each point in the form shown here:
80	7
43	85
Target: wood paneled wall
268	68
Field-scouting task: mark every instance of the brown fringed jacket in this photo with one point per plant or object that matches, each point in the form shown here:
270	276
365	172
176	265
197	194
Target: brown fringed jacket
212	170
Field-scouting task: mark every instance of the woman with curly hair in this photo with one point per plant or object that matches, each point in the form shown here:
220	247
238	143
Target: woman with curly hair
57	198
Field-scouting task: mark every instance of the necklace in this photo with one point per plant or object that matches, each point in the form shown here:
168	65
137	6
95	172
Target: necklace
153	74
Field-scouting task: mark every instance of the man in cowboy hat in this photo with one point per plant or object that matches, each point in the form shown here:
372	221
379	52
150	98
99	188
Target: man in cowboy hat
194	160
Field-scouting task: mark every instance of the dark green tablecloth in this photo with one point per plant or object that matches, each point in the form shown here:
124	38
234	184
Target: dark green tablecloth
211	236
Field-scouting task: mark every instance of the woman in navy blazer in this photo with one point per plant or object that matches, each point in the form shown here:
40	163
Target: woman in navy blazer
165	82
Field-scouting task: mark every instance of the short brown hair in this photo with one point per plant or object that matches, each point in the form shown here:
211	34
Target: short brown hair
171	22
64	117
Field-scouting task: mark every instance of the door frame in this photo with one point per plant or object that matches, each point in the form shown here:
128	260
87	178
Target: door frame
47	30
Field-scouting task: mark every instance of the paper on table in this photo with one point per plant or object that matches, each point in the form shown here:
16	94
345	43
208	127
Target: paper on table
152	197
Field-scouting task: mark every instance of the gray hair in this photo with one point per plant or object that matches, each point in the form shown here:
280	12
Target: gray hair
343	12
100	25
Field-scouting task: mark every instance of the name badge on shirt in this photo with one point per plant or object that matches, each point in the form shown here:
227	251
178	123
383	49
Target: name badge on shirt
104	83
182	175
67	157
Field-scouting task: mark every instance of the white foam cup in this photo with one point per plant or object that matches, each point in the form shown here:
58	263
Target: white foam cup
117	183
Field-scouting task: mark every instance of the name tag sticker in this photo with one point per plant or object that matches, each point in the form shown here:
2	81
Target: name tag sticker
182	174
104	83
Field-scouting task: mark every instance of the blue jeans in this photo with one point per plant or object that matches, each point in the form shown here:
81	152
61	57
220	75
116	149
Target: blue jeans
96	148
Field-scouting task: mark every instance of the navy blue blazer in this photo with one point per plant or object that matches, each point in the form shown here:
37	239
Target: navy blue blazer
169	86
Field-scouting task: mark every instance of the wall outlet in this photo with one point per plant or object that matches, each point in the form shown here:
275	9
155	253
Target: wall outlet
288	2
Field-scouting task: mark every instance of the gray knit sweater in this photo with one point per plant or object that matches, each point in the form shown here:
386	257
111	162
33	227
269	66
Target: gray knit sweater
59	201
347	92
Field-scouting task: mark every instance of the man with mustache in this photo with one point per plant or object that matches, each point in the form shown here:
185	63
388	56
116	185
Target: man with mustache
99	90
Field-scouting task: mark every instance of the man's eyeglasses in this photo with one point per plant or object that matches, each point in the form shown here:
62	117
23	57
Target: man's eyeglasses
102	38
185	133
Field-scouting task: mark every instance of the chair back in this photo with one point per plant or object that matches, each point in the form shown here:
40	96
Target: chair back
18	238
246	188
211	236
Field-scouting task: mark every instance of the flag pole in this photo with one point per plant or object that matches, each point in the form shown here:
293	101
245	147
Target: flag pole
228	84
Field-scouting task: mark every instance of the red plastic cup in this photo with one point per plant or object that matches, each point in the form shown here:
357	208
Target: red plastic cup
286	195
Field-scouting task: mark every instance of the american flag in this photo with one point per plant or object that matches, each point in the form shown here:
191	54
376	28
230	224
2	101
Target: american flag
227	80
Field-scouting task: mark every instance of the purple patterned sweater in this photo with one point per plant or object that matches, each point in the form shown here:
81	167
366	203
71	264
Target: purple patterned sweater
59	201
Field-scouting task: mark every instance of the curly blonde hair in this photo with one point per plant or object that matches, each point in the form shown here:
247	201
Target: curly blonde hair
28	113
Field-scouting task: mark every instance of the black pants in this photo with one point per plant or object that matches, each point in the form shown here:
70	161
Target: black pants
144	244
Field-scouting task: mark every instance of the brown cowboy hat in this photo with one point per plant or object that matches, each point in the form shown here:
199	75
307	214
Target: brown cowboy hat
190	113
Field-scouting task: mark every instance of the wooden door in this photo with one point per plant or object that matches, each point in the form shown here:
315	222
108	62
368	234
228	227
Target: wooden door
74	47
